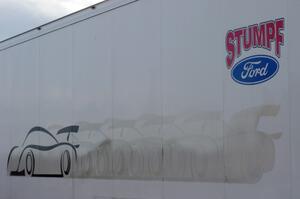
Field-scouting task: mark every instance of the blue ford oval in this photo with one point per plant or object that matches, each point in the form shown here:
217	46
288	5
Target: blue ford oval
255	70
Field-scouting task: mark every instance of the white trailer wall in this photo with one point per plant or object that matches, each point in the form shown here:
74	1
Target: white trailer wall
92	101
160	59
6	76
294	94
275	184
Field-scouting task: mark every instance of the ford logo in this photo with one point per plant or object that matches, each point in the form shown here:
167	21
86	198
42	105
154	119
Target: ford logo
255	70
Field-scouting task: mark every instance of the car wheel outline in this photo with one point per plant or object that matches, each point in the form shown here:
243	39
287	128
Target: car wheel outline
29	159
65	169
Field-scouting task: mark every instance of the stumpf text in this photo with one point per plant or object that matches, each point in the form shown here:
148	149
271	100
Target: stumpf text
262	35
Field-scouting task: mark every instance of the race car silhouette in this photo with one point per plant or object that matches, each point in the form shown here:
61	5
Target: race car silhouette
42	155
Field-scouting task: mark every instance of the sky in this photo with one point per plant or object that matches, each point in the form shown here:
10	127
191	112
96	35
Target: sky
17	16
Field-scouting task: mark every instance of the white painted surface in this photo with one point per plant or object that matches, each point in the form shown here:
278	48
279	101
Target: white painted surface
150	79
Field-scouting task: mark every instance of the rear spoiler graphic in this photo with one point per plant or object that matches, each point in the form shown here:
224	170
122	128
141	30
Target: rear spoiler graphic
69	130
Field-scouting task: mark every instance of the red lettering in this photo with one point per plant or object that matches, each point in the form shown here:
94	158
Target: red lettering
238	34
279	36
255	36
230	49
259	36
270	33
247	38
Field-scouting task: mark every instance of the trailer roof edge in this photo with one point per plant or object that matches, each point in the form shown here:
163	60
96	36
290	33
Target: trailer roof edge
88	12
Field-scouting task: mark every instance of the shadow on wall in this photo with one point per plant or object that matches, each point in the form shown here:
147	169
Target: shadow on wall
187	147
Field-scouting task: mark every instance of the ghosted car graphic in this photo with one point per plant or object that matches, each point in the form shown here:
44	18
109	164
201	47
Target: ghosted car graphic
42	155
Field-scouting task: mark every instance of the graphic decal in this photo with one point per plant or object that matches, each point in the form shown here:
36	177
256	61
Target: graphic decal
192	145
257	68
22	160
